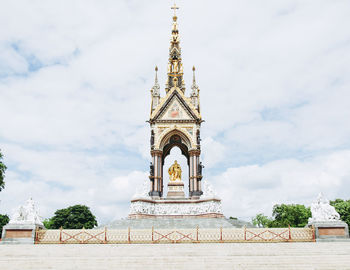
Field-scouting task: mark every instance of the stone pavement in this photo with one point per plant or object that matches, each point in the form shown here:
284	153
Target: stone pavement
310	256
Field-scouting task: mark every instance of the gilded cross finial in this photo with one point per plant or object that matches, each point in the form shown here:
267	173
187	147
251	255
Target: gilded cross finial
174	7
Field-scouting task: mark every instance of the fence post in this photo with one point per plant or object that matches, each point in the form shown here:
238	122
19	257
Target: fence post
220	234
313	233
129	241
61	235
152	234
105	235
197	231
290	234
36	236
245	233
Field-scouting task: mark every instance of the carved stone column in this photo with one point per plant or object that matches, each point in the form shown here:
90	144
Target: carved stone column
156	178
195	186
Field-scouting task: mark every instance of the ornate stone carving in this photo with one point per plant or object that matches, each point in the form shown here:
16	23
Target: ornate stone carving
150	208
200	168
26	214
198	137
322	211
152	139
151	169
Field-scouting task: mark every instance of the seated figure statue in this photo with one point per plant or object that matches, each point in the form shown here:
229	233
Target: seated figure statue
26	214
175	172
321	210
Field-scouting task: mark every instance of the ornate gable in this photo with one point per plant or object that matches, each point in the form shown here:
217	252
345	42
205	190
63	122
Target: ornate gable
175	107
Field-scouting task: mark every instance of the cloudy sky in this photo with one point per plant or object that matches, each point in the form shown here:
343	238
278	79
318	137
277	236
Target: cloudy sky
74	97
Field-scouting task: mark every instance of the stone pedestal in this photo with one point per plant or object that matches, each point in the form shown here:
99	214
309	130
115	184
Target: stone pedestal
330	230
19	233
176	190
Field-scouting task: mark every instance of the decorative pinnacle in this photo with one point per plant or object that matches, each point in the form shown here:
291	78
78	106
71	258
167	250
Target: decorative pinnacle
155	88
194	76
156	79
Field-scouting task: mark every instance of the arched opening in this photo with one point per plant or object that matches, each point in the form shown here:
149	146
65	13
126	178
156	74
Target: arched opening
175	153
189	158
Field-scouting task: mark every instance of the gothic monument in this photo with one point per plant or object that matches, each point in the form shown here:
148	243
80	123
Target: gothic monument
175	121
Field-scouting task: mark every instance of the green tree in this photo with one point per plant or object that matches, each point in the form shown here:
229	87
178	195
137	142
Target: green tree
261	221
48	223
4	219
2	173
295	215
343	208
73	217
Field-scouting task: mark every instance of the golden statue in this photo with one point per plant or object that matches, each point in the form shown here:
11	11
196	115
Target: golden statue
169	67
176	67
175	172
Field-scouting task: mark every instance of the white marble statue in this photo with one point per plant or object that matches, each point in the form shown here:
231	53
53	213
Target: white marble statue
321	210
142	191
26	214
208	190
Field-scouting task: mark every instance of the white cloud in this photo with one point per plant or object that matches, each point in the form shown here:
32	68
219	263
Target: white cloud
213	152
251	189
74	97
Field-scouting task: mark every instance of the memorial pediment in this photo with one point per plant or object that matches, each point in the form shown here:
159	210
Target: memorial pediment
175	108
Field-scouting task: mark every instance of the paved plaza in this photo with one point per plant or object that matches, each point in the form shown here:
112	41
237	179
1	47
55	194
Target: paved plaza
311	256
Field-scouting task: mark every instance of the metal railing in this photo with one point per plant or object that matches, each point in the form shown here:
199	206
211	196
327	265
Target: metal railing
196	235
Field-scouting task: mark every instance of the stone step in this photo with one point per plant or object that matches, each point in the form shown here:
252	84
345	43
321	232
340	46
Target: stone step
169	223
178	256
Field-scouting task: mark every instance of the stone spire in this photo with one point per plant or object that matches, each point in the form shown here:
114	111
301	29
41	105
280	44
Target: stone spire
175	69
195	91
155	91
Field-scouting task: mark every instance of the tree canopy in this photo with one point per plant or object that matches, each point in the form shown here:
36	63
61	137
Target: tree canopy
261	221
343	208
4	219
295	215
2	173
73	217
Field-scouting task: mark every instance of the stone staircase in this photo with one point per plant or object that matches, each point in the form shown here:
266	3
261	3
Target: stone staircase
239	256
184	223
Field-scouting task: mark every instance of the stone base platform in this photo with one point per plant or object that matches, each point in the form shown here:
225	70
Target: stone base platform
175	208
176	190
19	233
330	230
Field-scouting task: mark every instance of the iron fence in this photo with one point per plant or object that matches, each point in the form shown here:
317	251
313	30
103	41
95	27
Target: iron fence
195	235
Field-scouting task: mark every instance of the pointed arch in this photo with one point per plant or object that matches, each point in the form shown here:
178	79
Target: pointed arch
174	138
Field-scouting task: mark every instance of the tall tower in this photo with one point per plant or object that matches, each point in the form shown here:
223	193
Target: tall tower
175	121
